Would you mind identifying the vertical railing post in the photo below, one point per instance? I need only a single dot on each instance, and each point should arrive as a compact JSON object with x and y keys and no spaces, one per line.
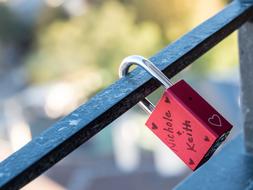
{"x":246,"y":73}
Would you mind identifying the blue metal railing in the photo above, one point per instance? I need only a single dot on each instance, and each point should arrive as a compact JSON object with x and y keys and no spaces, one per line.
{"x":63,"y":137}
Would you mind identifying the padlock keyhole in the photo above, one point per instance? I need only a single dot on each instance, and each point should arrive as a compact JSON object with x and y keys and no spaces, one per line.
{"x":190,"y":98}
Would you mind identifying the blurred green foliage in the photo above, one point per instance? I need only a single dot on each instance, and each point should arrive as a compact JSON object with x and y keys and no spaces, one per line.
{"x":97,"y":41}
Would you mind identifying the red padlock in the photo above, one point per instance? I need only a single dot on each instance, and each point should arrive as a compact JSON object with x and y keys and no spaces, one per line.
{"x":182,"y":119}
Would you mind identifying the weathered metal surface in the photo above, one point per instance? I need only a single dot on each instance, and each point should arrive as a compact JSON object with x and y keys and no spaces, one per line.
{"x":76,"y":128}
{"x":246,"y":69}
{"x":231,"y":169}
{"x":246,"y":1}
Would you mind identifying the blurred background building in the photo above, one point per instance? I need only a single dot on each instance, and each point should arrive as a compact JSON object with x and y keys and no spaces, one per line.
{"x":56,"y":54}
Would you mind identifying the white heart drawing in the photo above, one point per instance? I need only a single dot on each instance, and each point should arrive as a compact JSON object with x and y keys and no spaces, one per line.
{"x":215,"y":120}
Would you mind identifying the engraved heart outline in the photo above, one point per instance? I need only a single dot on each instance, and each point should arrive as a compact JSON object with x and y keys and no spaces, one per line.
{"x":215,"y":120}
{"x":167,"y":99}
{"x":206,"y":138}
{"x":191,"y":162}
{"x":154,"y":126}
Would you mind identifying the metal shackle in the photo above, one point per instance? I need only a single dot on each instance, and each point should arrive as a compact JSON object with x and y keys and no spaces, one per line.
{"x":138,"y":60}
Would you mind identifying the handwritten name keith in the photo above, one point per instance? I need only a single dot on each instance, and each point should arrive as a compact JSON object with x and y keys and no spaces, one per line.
{"x":190,"y":145}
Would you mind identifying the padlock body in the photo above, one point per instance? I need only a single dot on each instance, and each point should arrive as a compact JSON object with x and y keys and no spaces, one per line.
{"x":188,"y":125}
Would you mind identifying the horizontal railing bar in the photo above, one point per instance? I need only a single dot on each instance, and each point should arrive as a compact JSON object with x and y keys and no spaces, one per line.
{"x":70,"y":132}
